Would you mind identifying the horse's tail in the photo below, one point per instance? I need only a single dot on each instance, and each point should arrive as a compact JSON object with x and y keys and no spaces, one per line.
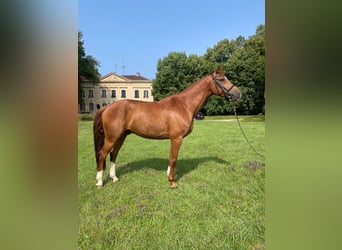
{"x":99,"y":135}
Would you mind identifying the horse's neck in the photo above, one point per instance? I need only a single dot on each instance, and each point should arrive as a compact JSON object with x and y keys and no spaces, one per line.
{"x":196,"y":95}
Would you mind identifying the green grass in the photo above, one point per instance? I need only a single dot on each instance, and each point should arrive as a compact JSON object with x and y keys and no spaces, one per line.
{"x":219,"y":202}
{"x":245,"y":118}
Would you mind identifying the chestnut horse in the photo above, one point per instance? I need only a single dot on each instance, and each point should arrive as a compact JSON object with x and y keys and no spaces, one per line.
{"x":170,"y":118}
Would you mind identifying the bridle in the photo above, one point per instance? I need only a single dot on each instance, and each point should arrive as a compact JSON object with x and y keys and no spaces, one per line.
{"x":218,"y":83}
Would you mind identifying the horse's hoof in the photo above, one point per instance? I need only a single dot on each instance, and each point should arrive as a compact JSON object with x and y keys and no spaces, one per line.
{"x":173,"y":184}
{"x":115,"y":179}
{"x":99,"y":186}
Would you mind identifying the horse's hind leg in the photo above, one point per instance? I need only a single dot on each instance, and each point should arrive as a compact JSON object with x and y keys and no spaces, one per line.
{"x":102,"y":157}
{"x":113,"y":155}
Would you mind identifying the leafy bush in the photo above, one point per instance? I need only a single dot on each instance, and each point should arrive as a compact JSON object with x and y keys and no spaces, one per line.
{"x":86,"y":117}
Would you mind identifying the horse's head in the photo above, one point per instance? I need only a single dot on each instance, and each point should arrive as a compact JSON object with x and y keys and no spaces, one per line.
{"x":223,"y":86}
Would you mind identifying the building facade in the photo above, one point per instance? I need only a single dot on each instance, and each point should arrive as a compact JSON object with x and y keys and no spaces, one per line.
{"x":113,"y":87}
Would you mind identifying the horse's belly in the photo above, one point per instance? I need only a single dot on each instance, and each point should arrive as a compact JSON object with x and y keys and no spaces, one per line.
{"x":160,"y":129}
{"x":151,"y":121}
{"x":150,"y":129}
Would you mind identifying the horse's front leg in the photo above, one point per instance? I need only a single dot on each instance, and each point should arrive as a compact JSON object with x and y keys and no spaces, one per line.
{"x":175,"y":145}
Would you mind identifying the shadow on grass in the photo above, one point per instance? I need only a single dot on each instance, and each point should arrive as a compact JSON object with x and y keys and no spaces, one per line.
{"x":183,"y":167}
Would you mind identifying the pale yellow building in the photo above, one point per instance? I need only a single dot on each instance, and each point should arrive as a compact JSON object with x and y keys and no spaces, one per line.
{"x":113,"y":87}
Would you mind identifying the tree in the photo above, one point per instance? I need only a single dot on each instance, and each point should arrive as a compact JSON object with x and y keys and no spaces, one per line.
{"x":87,"y":67}
{"x":219,"y":55}
{"x":246,"y":68}
{"x":243,"y":61}
{"x":176,"y":72}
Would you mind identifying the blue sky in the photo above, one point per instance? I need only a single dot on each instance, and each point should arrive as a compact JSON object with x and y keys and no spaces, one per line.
{"x":137,"y":33}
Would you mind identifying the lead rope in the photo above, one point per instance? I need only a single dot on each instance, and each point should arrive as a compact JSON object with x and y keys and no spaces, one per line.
{"x":243,"y":133}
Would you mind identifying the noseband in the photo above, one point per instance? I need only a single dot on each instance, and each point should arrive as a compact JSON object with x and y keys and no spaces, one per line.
{"x":218,"y":83}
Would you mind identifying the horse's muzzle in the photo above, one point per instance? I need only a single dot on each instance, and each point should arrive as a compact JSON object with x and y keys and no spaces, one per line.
{"x":235,"y":94}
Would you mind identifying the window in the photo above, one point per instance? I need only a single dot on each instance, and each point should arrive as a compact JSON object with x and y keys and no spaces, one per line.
{"x":123,"y":93}
{"x":91,"y":107}
{"x":136,"y":93}
{"x":113,"y":94}
{"x":104,"y":93}
{"x":145,"y":93}
{"x":82,"y":107}
{"x":104,"y":104}
{"x":83,"y":93}
{"x":91,"y":93}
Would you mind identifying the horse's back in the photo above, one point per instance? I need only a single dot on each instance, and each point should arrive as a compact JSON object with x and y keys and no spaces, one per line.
{"x":123,"y":113}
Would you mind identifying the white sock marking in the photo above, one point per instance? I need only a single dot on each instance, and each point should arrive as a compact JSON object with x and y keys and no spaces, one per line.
{"x":99,"y":178}
{"x":112,"y":172}
{"x":168,"y":171}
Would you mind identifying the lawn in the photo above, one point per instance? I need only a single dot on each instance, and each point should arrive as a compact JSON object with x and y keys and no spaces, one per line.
{"x":219,"y":202}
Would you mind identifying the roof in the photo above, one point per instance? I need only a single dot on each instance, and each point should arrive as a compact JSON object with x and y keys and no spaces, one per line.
{"x":135,"y":77}
{"x":113,"y":77}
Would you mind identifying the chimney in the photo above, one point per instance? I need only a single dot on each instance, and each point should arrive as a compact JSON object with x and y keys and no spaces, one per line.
{"x":137,"y":74}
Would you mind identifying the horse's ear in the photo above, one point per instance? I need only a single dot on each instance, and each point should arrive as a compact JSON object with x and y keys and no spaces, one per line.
{"x":218,"y":70}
